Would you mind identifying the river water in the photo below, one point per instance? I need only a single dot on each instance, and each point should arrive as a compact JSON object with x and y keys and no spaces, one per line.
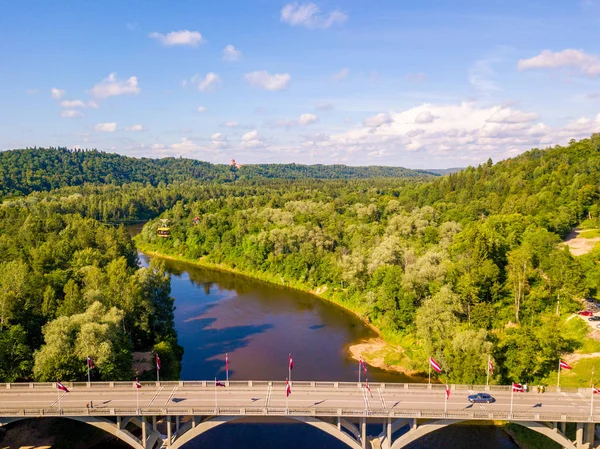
{"x":258,"y":324}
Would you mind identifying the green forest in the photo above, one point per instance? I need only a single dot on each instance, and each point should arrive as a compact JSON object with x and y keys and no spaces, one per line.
{"x":459,"y":267}
{"x":41,"y":169}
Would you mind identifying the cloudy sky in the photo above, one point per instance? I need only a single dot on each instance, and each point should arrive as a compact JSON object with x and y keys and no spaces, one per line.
{"x":420,"y":84}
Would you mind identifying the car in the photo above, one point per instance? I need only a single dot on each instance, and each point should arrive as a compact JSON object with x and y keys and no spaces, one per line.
{"x":594,"y":318}
{"x":597,"y":326}
{"x":586,"y":313}
{"x":481,"y":397}
{"x":590,"y":299}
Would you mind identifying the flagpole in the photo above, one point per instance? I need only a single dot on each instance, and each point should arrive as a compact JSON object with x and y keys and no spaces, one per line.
{"x":445,"y":401}
{"x":592,"y":402}
{"x":286,"y":396}
{"x":289,"y":369}
{"x":429,"y":370}
{"x":226,"y":367}
{"x":512,"y":395}
{"x":58,"y":396}
{"x":487,"y":381}
{"x":216,"y":404}
{"x":558,"y":379}
{"x":137,"y":398}
{"x":359,"y":368}
{"x":157,"y":373}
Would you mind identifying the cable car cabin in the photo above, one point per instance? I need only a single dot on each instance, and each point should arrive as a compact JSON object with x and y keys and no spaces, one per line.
{"x":163,"y":232}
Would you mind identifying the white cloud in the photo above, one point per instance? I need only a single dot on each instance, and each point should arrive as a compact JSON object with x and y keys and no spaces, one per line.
{"x":32,"y":91}
{"x":480,"y":76}
{"x":340,"y":75}
{"x":219,"y":141}
{"x":70,"y":113}
{"x":230,"y":53}
{"x":201,"y":109}
{"x":57,"y":93}
{"x":183,"y":37}
{"x":307,"y":15}
{"x":231,"y":124}
{"x":424,"y":117}
{"x":323,"y":106}
{"x":415,"y":77}
{"x":593,"y":95}
{"x":108,"y":127}
{"x":111,"y":86}
{"x":577,"y":59}
{"x":252,"y":140}
{"x":209,"y":83}
{"x":135,"y":128}
{"x":307,"y":119}
{"x":264,"y":80}
{"x":78,"y":104}
{"x":463,"y":134}
{"x":378,"y":120}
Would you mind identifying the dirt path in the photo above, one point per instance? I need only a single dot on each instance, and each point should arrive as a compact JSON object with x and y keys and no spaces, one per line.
{"x":580,"y":245}
{"x":572,"y":358}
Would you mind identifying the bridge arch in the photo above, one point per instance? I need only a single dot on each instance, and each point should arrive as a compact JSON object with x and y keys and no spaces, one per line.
{"x":216,"y":421}
{"x":431,"y":426}
{"x":96,"y":421}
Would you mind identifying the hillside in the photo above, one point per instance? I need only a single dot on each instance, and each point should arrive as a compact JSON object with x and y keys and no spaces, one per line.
{"x":459,"y":268}
{"x":41,"y":169}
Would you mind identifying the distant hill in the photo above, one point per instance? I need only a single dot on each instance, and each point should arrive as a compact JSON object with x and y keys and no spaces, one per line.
{"x":38,"y":169}
{"x":444,"y":171}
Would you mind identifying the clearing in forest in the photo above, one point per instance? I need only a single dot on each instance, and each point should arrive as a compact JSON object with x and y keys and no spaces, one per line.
{"x":582,"y":241}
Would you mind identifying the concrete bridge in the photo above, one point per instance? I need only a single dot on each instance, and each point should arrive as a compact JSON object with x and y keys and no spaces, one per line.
{"x":170,"y":414}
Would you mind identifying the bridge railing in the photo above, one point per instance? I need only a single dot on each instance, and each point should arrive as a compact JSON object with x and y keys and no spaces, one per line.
{"x":253,"y":384}
{"x":301,"y":411}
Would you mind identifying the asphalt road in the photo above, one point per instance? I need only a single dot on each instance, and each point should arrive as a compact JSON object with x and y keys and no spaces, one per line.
{"x":397,"y":399}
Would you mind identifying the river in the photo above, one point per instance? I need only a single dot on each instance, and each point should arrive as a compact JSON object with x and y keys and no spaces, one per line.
{"x":258,"y":324}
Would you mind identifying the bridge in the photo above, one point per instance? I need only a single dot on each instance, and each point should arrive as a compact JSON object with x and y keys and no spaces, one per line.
{"x":170,"y":414}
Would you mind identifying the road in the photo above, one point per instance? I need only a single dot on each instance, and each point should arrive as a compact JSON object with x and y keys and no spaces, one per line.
{"x":382,"y":398}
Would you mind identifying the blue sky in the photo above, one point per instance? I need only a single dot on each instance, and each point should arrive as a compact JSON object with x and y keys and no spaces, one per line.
{"x":421,"y":84}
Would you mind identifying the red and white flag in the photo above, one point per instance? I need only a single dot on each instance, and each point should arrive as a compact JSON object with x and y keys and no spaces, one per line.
{"x":137,"y":383}
{"x":157,"y":362}
{"x":595,"y":390}
{"x":291,"y":362}
{"x":518,"y":388}
{"x":368,"y":388}
{"x":447,"y":392}
{"x":288,"y":389}
{"x":435,"y":365}
{"x":490,"y":366}
{"x":62,"y":387}
{"x":362,"y":364}
{"x":90,"y":363}
{"x":565,"y":365}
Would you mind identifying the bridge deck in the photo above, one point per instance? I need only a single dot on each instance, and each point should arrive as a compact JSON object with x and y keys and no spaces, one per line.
{"x":307,"y":399}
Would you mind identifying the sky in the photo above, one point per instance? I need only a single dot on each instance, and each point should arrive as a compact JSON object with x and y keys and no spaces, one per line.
{"x":419,"y":84}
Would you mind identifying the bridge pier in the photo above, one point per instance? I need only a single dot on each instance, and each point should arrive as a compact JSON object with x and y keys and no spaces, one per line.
{"x":169,"y":431}
{"x":144,"y":431}
{"x":363,"y":432}
{"x":579,"y":435}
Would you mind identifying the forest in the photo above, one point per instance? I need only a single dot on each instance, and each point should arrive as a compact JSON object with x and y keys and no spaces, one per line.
{"x":463,"y":267}
{"x":40,"y":169}
{"x":459,"y":267}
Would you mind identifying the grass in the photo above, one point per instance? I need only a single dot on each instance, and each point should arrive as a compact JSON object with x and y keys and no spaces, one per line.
{"x":589,"y":233}
{"x":529,"y":438}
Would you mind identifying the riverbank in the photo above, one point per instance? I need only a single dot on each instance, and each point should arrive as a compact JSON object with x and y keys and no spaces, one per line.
{"x":377,"y":352}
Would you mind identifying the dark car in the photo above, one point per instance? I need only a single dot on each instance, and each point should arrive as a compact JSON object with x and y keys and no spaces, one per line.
{"x":594,"y":318}
{"x":481,"y":397}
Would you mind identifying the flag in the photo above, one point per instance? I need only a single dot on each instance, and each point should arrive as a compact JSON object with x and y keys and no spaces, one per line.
{"x":435,"y":365}
{"x":137,"y":383}
{"x":288,"y":389}
{"x":219,"y":384}
{"x":157,"y":362}
{"x":90,"y":363}
{"x":595,"y":390}
{"x":62,"y":387}
{"x":226,"y":362}
{"x":291,"y":362}
{"x":362,"y":364}
{"x":368,"y":388}
{"x":565,"y":365}
{"x":447,"y":392}
{"x":490,"y":366}
{"x":518,"y":388}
